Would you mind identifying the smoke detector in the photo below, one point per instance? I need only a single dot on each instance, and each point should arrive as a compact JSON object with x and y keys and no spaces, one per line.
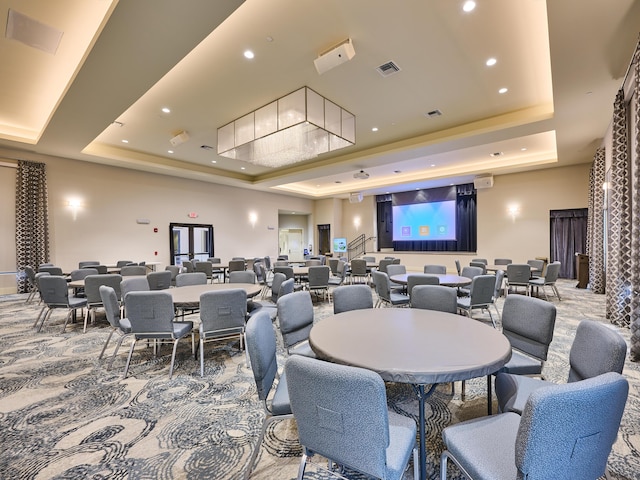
{"x":361,"y":175}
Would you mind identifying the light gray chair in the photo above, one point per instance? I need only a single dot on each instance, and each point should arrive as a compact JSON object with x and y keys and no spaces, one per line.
{"x":92,"y":284}
{"x":159,"y":280}
{"x":222,"y":316}
{"x":87,"y":263}
{"x":565,"y":432}
{"x":458,"y":267}
{"x":129,"y":270}
{"x":194,"y":278}
{"x":32,"y":287}
{"x":502,"y":261}
{"x":295,"y":319}
{"x":120,"y":326}
{"x":384,"y":263}
{"x":480,"y":265}
{"x":51,"y":270}
{"x":439,"y":269}
{"x":318,"y":282}
{"x":528,"y":324}
{"x":55,"y":294}
{"x":518,"y":275}
{"x":122,"y":263}
{"x":435,"y":297}
{"x":261,"y":345}
{"x":338,"y":278}
{"x":359,"y":270}
{"x":385,"y":295}
{"x":396,"y":269}
{"x":136,"y":284}
{"x":151,"y":315}
{"x":420,"y":279}
{"x":480,"y":260}
{"x":341,"y":413}
{"x":480,"y":296}
{"x":244,"y":276}
{"x":206,"y":268}
{"x":497,"y":292}
{"x":333,"y":265}
{"x":470,"y":272}
{"x":596,"y":349}
{"x":81,"y":274}
{"x":175,"y":270}
{"x":352,"y":297}
{"x":549,"y":280}
{"x":537,"y":267}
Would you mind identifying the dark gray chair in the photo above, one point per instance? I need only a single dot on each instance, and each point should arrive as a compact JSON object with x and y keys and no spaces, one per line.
{"x":129,"y":270}
{"x":549,"y":280}
{"x":435,"y":297}
{"x":352,"y":297}
{"x":537,"y":267}
{"x":318,"y":282}
{"x":480,"y":265}
{"x":87,"y":263}
{"x":32,"y":287}
{"x":341,"y":413}
{"x":385,"y":295}
{"x":359,"y":270}
{"x":596,"y":349}
{"x":244,"y":276}
{"x":122,"y":263}
{"x":206,"y":268}
{"x":55,"y":294}
{"x":480,"y":296}
{"x":151,"y":315}
{"x":470,"y":272}
{"x":566,"y":432}
{"x":81,"y":274}
{"x":420,"y":279}
{"x":92,"y":284}
{"x":480,"y":260}
{"x":261,"y":345}
{"x":222,"y":316}
{"x":175,"y":270}
{"x":120,"y":326}
{"x":194,"y":278}
{"x":518,"y":275}
{"x":438,"y":269}
{"x":51,"y":270}
{"x":159,"y":280}
{"x":502,"y":261}
{"x":295,"y":319}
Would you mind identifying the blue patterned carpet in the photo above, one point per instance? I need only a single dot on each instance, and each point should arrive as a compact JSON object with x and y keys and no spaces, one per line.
{"x":64,"y":415}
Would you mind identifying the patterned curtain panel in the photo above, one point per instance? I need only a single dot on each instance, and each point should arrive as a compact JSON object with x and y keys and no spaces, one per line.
{"x":595,"y":226}
{"x":619,"y":247}
{"x":635,"y":235}
{"x":32,"y":218}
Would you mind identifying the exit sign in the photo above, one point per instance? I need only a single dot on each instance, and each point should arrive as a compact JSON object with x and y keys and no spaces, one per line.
{"x":193,"y":215}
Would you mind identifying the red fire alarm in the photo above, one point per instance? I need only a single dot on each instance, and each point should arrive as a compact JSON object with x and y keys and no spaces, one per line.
{"x":155,"y":229}
{"x":193,"y":215}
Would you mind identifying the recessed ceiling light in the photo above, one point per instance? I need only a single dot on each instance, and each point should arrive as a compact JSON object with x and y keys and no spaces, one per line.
{"x":523,"y":149}
{"x":374,"y":129}
{"x":491,"y":62}
{"x":248,"y":54}
{"x":214,"y":161}
{"x":469,"y":6}
{"x":242,"y":168}
{"x":166,"y":110}
{"x":169,"y":151}
{"x":125,"y":141}
{"x":503,"y":90}
{"x":433,"y":164}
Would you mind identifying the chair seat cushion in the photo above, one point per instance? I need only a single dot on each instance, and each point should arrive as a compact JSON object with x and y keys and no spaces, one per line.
{"x":464,"y":302}
{"x":280,"y":404}
{"x":76,"y":302}
{"x":521,"y":364}
{"x":125,"y":325}
{"x":514,"y":390}
{"x":303,"y":349}
{"x":180,"y":329}
{"x":402,"y":440}
{"x":398,"y":298}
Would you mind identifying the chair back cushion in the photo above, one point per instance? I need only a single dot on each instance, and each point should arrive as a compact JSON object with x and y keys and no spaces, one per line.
{"x":92,"y":285}
{"x":222,"y":310}
{"x":482,"y":289}
{"x":111,"y":305}
{"x":150,"y":312}
{"x":420,"y":279}
{"x":261,"y":345}
{"x":194,"y":278}
{"x":319,"y":276}
{"x":518,"y":274}
{"x":352,"y":297}
{"x":159,"y":280}
{"x":244,"y":276}
{"x":596,"y":349}
{"x":295,"y":313}
{"x":441,"y":269}
{"x":435,"y":297}
{"x":394,"y":269}
{"x":54,"y":290}
{"x":528,"y":323}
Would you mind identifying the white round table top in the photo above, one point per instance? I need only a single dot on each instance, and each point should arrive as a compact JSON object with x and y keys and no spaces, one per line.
{"x":411,"y":345}
{"x":446,"y":279}
{"x":190,"y":294}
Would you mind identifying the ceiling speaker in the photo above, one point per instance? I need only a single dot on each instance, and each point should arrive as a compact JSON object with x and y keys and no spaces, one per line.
{"x":485,"y":181}
{"x":355,"y":197}
{"x":337,"y":55}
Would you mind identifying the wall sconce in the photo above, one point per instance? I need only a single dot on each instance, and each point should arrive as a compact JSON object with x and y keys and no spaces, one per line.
{"x":356,"y":222}
{"x":253,"y":219}
{"x":74,"y":204}
{"x":514,"y":211}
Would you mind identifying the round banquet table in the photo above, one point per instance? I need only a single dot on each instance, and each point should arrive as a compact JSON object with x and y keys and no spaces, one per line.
{"x":446,"y":279}
{"x":189,"y":295}
{"x":412,"y":346}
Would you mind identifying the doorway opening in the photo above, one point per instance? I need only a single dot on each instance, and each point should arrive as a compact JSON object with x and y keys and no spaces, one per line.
{"x":324,"y":239}
{"x":188,"y":241}
{"x":290,"y":243}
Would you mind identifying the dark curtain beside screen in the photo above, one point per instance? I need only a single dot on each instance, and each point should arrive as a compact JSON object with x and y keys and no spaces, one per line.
{"x":466,"y":220}
{"x":568,"y":230}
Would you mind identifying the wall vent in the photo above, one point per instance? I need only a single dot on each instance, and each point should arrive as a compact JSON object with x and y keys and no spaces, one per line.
{"x":388,"y":69}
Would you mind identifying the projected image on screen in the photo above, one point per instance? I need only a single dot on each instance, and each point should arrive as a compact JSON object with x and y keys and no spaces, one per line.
{"x":424,"y":221}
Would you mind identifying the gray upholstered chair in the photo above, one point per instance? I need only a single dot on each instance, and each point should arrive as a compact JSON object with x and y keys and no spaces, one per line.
{"x":278,"y":278}
{"x":502,"y":261}
{"x":175,"y":270}
{"x":237,"y":265}
{"x":383,"y":290}
{"x":396,"y":269}
{"x":222,"y":316}
{"x":261,"y":345}
{"x":119,"y":325}
{"x":51,"y":270}
{"x":194,"y":278}
{"x":480,"y":265}
{"x":318,"y":282}
{"x":438,"y":269}
{"x":32,"y":287}
{"x":480,"y":296}
{"x":420,"y":279}
{"x":341,"y":271}
{"x":295,"y":318}
{"x":87,"y":263}
{"x":497,"y":292}
{"x":596,"y":349}
{"x":129,"y":270}
{"x":435,"y":297}
{"x":537,"y":267}
{"x":565,"y":432}
{"x":333,"y":265}
{"x":359,"y":270}
{"x":81,"y":274}
{"x":384,"y":263}
{"x":159,"y":280}
{"x":458,"y":267}
{"x":206,"y":268}
{"x":151,"y":315}
{"x":122,"y":263}
{"x":244,"y":276}
{"x":135,"y":284}
{"x":341,"y":413}
{"x":528,"y":324}
{"x":470,"y":272}
{"x":480,"y":260}
{"x":92,"y":284}
{"x":518,"y":275}
{"x":352,"y":297}
{"x":549,"y":280}
{"x":55,"y":294}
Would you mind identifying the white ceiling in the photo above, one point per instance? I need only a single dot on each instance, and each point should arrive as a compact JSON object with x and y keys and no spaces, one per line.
{"x":562,"y":63}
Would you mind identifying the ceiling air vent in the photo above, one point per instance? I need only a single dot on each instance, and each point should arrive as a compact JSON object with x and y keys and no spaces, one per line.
{"x":388,"y":69}
{"x":433,"y":113}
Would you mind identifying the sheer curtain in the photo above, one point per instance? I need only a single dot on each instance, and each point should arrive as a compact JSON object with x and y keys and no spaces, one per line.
{"x":32,"y":218}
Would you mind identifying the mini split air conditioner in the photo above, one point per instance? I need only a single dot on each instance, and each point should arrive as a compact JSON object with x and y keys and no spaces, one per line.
{"x":484,"y":181}
{"x":355,"y":197}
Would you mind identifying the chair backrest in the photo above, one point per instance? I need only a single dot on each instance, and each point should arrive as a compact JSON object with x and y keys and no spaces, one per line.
{"x":92,"y":284}
{"x":498,"y":284}
{"x":458,"y":267}
{"x":394,"y":269}
{"x":313,"y":262}
{"x":276,"y":283}
{"x":128,"y":270}
{"x":237,"y":265}
{"x":435,"y":297}
{"x":214,"y":259}
{"x":122,"y":263}
{"x":286,"y":270}
{"x":578,"y":446}
{"x":381,"y":281}
{"x":384,"y":263}
{"x":286,"y":287}
{"x":204,"y":267}
{"x":259,"y":268}
{"x":54,"y":290}
{"x":482,"y":289}
{"x":471,"y":272}
{"x":358,"y":266}
{"x":244,"y":276}
{"x":52,"y":270}
{"x":295,"y":314}
{"x":135,"y":284}
{"x":87,"y":263}
{"x":537,"y":264}
{"x":194,"y":278}
{"x":528,"y":324}
{"x":518,"y":273}
{"x":319,"y":276}
{"x":502,"y":261}
{"x":281,"y":263}
{"x":420,"y":279}
{"x":159,"y":280}
{"x":441,"y":269}
{"x":37,"y":278}
{"x":369,"y":259}
{"x":551,"y":275}
{"x":223,"y":309}
{"x":341,"y":413}
{"x":30,"y":273}
{"x":352,"y":297}
{"x":150,"y":312}
{"x":480,"y":260}
{"x":283,"y":257}
{"x":175,"y":270}
{"x":102,"y":269}
{"x":261,"y":345}
{"x":480,"y":265}
{"x":333,"y":265}
{"x":109,"y":300}
{"x":82,"y":273}
{"x":596,"y":349}
{"x":188,"y":266}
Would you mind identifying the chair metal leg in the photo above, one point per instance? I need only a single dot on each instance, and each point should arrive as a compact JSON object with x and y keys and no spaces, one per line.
{"x":106,"y":343}
{"x":173,"y":357}
{"x":115,"y":351}
{"x":126,"y":367}
{"x":256,"y":450}
{"x":39,"y":316}
{"x":45,"y":318}
{"x":201,"y":357}
{"x":303,"y":465}
{"x":489,"y":396}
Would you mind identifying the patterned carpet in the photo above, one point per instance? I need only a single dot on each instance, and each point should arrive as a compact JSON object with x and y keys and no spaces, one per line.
{"x":64,"y":415}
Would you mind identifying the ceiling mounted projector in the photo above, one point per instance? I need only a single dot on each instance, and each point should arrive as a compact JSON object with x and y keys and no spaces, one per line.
{"x":361,"y":175}
{"x":341,"y":53}
{"x":179,"y":138}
